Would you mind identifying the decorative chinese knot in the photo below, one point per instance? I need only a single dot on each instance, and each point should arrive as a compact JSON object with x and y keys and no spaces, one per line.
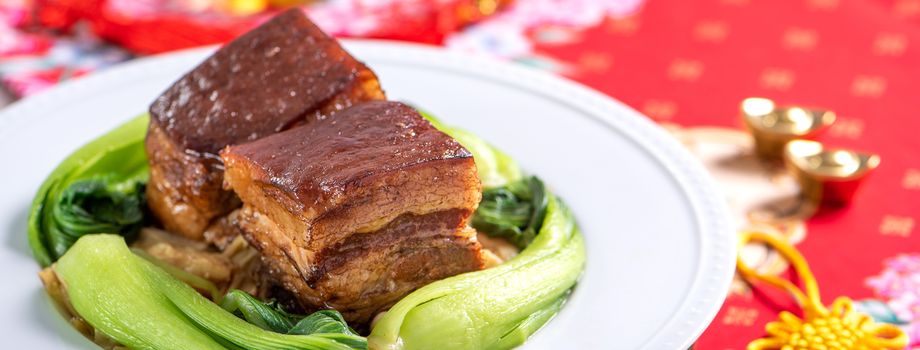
{"x":820,"y":328}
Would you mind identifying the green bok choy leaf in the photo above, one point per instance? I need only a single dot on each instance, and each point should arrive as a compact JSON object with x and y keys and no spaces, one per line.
{"x":267,"y":315}
{"x":270,"y":316}
{"x":97,"y":189}
{"x":513,"y":212}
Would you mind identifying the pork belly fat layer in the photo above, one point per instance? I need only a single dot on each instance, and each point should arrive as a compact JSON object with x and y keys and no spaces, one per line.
{"x":353,"y":173}
{"x":368,"y":273}
{"x":283,"y":73}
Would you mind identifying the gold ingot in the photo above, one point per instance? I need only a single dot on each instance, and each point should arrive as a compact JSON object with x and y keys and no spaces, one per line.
{"x":773,"y":126}
{"x":828,"y":176}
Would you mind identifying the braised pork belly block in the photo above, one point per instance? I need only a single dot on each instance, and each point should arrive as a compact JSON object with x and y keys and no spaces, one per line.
{"x":283,"y":73}
{"x":356,"y":211}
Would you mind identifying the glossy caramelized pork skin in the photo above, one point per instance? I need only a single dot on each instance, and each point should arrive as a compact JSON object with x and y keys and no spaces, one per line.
{"x":284,"y":73}
{"x":355,"y":211}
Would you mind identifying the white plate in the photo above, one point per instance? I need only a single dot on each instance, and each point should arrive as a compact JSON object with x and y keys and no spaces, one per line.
{"x":660,"y":252}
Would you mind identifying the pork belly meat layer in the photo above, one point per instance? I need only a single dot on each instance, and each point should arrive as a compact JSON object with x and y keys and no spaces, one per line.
{"x":283,"y":73}
{"x":343,"y":182}
{"x":367,"y":273}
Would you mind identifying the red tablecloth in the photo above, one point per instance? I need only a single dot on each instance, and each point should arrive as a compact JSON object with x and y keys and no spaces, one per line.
{"x":687,"y":64}
{"x":691,"y":62}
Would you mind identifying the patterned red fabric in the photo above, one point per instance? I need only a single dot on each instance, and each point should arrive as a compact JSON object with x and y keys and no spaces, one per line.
{"x":691,"y":62}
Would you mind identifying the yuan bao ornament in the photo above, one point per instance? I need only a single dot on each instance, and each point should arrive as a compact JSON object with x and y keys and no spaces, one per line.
{"x":839,"y":327}
{"x":828,"y":176}
{"x":773,"y":126}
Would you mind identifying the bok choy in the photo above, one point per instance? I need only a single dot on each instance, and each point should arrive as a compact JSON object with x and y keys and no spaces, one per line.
{"x":141,"y":306}
{"x":513,"y":212}
{"x":97,"y":189}
{"x":270,"y":316}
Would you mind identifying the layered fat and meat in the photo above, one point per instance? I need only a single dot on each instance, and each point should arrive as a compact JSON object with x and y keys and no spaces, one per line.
{"x":285,"y":73}
{"x":352,"y":204}
{"x":356,"y":211}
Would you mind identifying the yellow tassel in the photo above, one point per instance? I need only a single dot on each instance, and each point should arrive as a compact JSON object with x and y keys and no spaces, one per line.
{"x":246,"y":7}
{"x":820,"y":328}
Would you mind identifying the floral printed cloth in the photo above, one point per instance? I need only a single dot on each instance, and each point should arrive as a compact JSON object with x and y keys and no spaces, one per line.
{"x":100,"y":33}
{"x":898,"y":288}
